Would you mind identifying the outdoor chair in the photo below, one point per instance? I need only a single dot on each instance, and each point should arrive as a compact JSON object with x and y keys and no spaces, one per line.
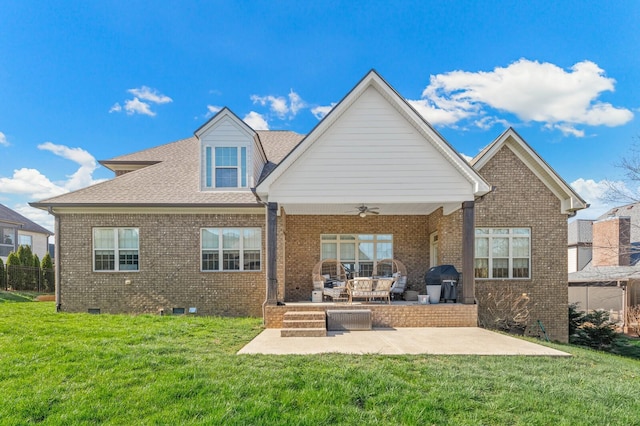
{"x":399,"y":286}
{"x":363,"y":288}
{"x":382,"y":289}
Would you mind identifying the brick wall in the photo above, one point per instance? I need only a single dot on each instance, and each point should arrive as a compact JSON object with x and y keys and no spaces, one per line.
{"x":169,"y":274}
{"x":612,"y":241}
{"x":410,"y":246}
{"x":384,"y":316}
{"x":522,"y":200}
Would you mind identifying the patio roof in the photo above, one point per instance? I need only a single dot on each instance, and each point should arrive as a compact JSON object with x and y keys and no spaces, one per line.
{"x":372,"y":149}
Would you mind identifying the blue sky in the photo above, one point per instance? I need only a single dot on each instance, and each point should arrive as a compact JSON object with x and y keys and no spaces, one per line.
{"x":86,"y":81}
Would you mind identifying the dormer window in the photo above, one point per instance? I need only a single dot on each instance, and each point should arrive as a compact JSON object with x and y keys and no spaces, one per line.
{"x":226,"y":167}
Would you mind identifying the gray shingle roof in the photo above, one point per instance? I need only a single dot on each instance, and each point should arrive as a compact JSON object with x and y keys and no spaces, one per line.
{"x":9,"y":215}
{"x":174,"y":180}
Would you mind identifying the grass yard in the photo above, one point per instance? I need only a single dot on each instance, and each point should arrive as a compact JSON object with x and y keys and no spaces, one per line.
{"x":117,"y":369}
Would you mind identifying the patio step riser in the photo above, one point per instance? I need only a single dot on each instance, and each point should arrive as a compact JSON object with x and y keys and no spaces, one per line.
{"x":304,"y":324}
{"x":303,"y":332}
{"x":304,"y":315}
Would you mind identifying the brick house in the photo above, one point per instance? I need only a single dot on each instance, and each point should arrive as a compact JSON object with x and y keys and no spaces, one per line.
{"x":231,"y":221}
{"x":17,"y":230}
{"x":604,"y":263}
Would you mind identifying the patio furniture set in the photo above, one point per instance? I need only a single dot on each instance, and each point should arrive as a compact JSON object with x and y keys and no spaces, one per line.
{"x":329,"y":276}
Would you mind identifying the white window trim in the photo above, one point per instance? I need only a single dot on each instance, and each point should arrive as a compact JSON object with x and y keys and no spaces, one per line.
{"x":210,"y":168}
{"x":116,"y":250}
{"x":510,"y":236}
{"x":221,"y":250}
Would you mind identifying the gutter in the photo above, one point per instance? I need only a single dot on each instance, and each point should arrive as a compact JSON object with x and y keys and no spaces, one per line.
{"x":56,"y":258}
{"x":266,"y":225}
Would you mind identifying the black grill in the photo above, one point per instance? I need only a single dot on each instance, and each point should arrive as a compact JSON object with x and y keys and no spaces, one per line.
{"x":437,"y":275}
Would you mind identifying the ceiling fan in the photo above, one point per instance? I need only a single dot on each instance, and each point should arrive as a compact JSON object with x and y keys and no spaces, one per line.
{"x":363,"y":210}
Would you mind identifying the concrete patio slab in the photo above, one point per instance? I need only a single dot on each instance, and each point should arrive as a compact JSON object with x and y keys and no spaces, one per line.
{"x":399,"y":341}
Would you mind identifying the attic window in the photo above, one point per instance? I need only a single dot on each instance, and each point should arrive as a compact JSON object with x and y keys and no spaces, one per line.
{"x":228,"y":169}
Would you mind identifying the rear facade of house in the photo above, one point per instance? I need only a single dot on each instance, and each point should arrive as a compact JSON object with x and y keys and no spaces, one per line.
{"x":232,"y":220}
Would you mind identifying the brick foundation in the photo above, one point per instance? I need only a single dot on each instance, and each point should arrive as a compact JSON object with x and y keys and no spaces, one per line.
{"x":384,"y":316}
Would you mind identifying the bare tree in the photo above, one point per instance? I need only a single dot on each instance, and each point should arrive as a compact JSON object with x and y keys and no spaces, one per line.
{"x":626,"y":190}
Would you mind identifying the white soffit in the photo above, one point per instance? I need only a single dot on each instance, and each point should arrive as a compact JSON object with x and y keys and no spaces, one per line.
{"x":352,"y":209}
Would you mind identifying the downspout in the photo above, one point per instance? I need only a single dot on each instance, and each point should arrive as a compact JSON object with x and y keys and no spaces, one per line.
{"x":271,"y":254}
{"x":56,"y":258}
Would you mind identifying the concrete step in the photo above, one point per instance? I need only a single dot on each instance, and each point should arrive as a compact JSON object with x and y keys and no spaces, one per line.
{"x":303,"y":332}
{"x":287,"y":323}
{"x":304,"y":315}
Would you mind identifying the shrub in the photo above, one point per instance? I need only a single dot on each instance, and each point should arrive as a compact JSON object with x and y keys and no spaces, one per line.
{"x":3,"y":276}
{"x":46,"y":262}
{"x":633,"y":319}
{"x":25,"y":255}
{"x":504,"y":310}
{"x":595,"y":330}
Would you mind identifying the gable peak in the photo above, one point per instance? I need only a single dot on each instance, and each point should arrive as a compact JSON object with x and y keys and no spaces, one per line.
{"x":225,"y":112}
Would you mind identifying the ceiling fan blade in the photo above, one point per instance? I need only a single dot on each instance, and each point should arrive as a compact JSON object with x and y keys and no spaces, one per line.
{"x":372,"y":212}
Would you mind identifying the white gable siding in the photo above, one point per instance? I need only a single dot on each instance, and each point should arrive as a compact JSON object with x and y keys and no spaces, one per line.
{"x":258,"y":164}
{"x":227,"y":133}
{"x":371,"y":153}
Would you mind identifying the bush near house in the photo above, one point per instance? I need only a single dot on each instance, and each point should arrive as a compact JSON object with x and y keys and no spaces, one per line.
{"x":595,"y":330}
{"x":633,"y":319}
{"x":505,"y":310}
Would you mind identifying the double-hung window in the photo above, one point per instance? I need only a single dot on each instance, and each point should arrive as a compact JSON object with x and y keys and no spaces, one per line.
{"x":115,"y":249}
{"x":503,"y":253}
{"x":231,"y":249}
{"x":226,"y":167}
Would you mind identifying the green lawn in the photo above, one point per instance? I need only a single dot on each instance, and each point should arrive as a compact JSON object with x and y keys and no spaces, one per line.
{"x":118,"y":369}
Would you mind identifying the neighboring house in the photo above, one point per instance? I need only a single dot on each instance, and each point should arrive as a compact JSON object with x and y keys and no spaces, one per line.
{"x":610,"y":280}
{"x":231,"y":221}
{"x":580,"y":244}
{"x":17,"y":230}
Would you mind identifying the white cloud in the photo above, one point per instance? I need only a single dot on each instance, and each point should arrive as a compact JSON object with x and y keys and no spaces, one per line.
{"x":256,"y":121}
{"x":567,"y":129}
{"x":41,"y":217}
{"x":466,"y":157}
{"x":277,"y":104}
{"x":84,"y":175}
{"x":532,"y":91}
{"x":295,"y":102}
{"x":32,"y":182}
{"x":151,"y":95}
{"x":595,"y":194}
{"x":485,"y":123}
{"x":138,"y":106}
{"x":320,"y":111}
{"x":212,"y":110}
{"x":283,"y":108}
{"x":3,"y":140}
{"x":438,"y":116}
